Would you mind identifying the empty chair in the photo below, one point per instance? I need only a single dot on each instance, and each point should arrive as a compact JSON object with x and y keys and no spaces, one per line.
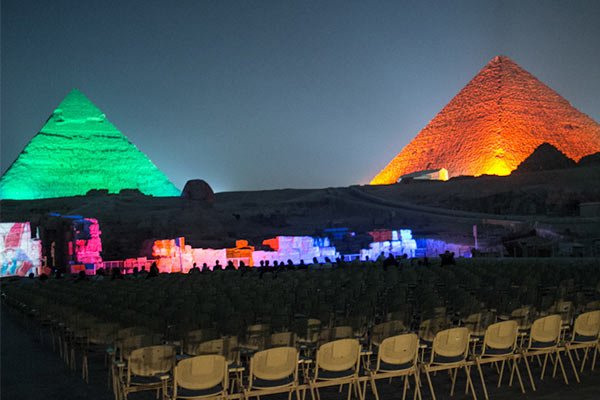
{"x":215,"y":346}
{"x":273,"y":371}
{"x":500,"y":346}
{"x":430,"y":327}
{"x":100,"y":336}
{"x":449,"y":352}
{"x":200,"y":377}
{"x":148,"y":368}
{"x":256,"y":337}
{"x":585,"y":337}
{"x":196,"y":336}
{"x":397,"y":356}
{"x":282,"y":339}
{"x":544,"y":340}
{"x":337,"y":363}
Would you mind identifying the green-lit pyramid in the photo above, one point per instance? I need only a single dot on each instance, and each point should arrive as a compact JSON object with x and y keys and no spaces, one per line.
{"x":78,"y":149}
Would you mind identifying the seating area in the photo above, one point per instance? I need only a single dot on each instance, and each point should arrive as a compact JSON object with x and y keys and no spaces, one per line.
{"x":348,"y":328}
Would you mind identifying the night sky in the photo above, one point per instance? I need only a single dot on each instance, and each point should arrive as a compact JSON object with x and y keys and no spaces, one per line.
{"x":277,"y":94}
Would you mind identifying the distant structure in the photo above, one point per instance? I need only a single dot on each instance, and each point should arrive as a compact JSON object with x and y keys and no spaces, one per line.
{"x":198,"y":189}
{"x":440,"y":174}
{"x":494,"y":123}
{"x":78,"y":150}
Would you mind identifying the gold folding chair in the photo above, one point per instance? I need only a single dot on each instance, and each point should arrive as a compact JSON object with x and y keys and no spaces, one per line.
{"x":397,"y":356}
{"x":282,"y":339}
{"x":449,"y":352}
{"x":500,"y":345}
{"x":148,"y":368}
{"x":544,"y":340}
{"x":201,"y":377}
{"x":585,"y":337}
{"x":273,"y":371}
{"x":337,"y":363}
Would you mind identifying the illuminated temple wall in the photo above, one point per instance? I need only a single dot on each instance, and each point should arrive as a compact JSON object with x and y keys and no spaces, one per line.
{"x":296,"y":248}
{"x":173,"y":255}
{"x":396,"y":242}
{"x":19,"y":253}
{"x":494,"y":123}
{"x":77,"y":150}
{"x":88,"y":244}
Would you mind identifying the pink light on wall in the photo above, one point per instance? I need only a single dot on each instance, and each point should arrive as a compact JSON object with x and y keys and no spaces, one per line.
{"x":88,"y":244}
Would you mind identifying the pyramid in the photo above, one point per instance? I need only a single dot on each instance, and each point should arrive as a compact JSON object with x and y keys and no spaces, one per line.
{"x":545,"y":158}
{"x":494,"y":123}
{"x":76,"y":150}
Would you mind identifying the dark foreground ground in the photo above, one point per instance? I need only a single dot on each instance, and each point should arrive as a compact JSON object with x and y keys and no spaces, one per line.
{"x":31,"y":370}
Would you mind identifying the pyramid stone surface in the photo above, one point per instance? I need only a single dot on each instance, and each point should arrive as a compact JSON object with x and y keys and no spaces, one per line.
{"x":494,"y":123}
{"x":78,"y":149}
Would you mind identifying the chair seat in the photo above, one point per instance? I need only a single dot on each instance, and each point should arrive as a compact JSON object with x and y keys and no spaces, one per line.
{"x":323,"y":374}
{"x":584,"y":339}
{"x":387,"y":367}
{"x":489,"y":351}
{"x":439,"y":359}
{"x":185,"y":392}
{"x":267,"y":384}
{"x":542,"y":345}
{"x":145,"y":380}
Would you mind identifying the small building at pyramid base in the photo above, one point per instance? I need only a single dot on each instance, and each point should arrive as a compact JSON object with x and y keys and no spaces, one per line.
{"x":78,"y":150}
{"x":440,"y":174}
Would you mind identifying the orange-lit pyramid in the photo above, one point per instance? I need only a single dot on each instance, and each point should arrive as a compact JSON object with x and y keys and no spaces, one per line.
{"x":494,"y":123}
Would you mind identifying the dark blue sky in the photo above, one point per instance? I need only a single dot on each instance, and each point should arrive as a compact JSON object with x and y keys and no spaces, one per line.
{"x":274,"y":94}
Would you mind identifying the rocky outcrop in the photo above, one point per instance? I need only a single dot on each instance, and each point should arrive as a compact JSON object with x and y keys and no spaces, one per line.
{"x":198,"y":189}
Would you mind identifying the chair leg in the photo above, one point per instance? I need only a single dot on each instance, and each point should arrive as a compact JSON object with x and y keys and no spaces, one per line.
{"x":417,"y":386}
{"x":501,"y":373}
{"x":515,"y":368}
{"x":470,"y":382}
{"x":585,"y":354}
{"x":373,"y":388}
{"x":595,"y":354}
{"x":544,"y":366}
{"x":485,"y":392}
{"x":562,"y":367}
{"x":453,"y":375}
{"x":430,"y":384}
{"x":529,"y":373}
{"x":404,"y":389}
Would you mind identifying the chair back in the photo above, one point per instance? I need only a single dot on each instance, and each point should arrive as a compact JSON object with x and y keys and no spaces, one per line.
{"x":104,"y":333}
{"x":339,"y":355}
{"x":342,"y":332}
{"x":501,"y":335}
{"x":199,"y":335}
{"x":313,"y":329}
{"x":215,"y":346}
{"x":546,"y":329}
{"x":522,"y":316}
{"x":127,"y":345}
{"x":430,"y":327}
{"x":587,"y":324}
{"x":201,"y":372}
{"x":256,"y":335}
{"x":283,"y":339}
{"x":152,"y":360}
{"x":401,"y":349}
{"x":274,"y":364}
{"x":452,"y":342}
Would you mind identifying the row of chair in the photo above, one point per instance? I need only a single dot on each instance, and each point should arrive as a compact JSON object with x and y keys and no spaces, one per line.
{"x":346,"y":362}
